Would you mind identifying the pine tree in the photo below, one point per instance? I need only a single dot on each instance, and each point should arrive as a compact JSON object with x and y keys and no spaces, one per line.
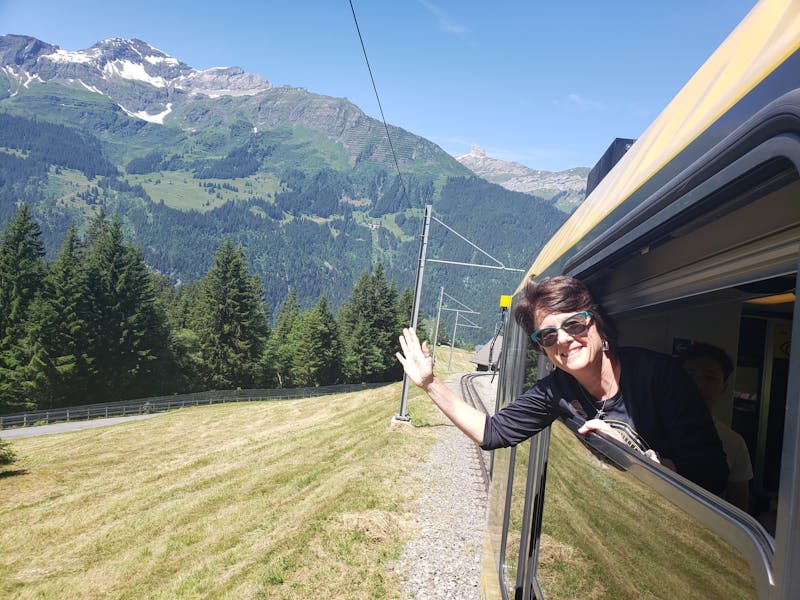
{"x":330,"y":344}
{"x":360,"y":355}
{"x":21,"y":268}
{"x":369,"y":326}
{"x":61,"y":369}
{"x":231,"y":322}
{"x":127,"y":333}
{"x":277,"y":359}
{"x":21,"y":279}
{"x":179,"y":305}
{"x":315,"y":347}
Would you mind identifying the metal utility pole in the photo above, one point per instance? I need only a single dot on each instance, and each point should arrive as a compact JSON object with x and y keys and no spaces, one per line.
{"x":423,"y":249}
{"x":453,"y":343}
{"x":436,"y":331}
{"x":469,"y":324}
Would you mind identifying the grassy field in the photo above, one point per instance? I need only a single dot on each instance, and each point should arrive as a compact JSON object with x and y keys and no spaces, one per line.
{"x":288,"y":499}
{"x":180,"y":190}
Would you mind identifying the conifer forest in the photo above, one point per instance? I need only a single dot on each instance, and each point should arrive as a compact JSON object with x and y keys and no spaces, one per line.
{"x":95,"y":324}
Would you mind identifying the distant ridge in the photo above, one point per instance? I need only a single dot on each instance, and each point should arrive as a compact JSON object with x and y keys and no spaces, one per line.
{"x":565,"y":189}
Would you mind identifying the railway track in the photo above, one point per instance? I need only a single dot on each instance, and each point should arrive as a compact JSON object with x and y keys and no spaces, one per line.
{"x":471,"y":394}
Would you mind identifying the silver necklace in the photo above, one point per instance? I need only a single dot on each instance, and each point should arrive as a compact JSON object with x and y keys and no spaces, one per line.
{"x":602,"y":411}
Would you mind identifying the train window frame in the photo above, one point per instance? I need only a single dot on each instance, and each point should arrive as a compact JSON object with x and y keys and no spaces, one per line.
{"x":777,"y":556}
{"x":770,"y":169}
{"x":734,"y":526}
{"x":787,"y":543}
{"x":514,"y":364}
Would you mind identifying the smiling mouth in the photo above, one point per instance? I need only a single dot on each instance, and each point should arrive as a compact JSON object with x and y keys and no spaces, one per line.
{"x":571,"y":352}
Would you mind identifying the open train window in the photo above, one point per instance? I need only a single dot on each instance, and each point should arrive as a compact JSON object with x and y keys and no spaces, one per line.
{"x":753,"y":323}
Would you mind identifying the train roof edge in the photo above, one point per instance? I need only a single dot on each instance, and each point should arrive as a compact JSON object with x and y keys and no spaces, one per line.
{"x":767,"y":38}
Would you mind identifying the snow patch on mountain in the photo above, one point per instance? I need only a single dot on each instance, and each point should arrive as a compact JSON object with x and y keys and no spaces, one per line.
{"x":23,"y":78}
{"x":133,"y":71}
{"x":145,"y":116}
{"x":155,"y":60}
{"x":91,"y":88}
{"x":69,"y":56}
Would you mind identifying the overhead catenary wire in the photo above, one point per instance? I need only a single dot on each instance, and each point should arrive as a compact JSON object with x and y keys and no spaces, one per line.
{"x":377,"y":97}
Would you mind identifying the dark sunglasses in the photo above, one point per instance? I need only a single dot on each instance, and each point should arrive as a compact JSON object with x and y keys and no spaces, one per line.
{"x":576,"y":324}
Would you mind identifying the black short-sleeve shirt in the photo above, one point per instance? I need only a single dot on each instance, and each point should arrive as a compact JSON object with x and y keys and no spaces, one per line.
{"x":656,"y":398}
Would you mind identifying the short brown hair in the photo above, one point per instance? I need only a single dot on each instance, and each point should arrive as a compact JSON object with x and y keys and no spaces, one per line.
{"x":697,"y":350}
{"x":562,"y":294}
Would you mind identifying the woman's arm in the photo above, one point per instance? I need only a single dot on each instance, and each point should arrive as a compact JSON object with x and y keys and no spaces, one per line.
{"x":418,"y":365}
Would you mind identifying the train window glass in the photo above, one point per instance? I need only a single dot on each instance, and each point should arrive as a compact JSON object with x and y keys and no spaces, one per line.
{"x":607,"y":535}
{"x":497,"y":501}
{"x":516,"y":518}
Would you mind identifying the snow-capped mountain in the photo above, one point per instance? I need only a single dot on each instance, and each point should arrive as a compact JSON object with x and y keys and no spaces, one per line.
{"x":133,"y":77}
{"x":152,"y":79}
{"x":565,"y":188}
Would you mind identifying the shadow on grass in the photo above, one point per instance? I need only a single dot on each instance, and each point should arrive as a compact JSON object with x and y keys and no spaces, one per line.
{"x":12,"y":472}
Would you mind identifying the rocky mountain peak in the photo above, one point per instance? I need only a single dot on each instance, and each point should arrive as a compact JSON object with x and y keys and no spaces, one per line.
{"x":477,"y":151}
{"x":20,"y":49}
{"x":127,"y":49}
{"x":112,"y":62}
{"x":566,"y":189}
{"x":484,"y":165}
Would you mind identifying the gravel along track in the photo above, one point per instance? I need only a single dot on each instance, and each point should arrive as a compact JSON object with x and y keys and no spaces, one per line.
{"x":443,"y":561}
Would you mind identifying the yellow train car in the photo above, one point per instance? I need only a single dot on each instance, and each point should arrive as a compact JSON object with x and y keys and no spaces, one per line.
{"x":693,"y":235}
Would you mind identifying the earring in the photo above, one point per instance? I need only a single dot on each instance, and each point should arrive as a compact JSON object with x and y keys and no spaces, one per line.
{"x":550,"y":366}
{"x":604,"y":346}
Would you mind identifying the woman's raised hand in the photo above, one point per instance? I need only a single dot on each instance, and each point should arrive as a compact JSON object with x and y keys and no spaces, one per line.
{"x":415,"y":358}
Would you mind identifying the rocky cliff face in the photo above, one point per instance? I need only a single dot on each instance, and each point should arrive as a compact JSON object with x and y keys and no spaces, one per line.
{"x":566,"y":189}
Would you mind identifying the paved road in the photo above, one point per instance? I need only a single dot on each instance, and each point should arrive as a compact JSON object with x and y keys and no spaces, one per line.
{"x":20,"y":432}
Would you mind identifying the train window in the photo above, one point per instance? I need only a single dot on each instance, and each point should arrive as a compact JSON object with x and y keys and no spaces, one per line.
{"x":605,"y":534}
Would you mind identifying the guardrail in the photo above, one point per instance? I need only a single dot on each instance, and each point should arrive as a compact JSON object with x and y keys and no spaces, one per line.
{"x":163,"y":403}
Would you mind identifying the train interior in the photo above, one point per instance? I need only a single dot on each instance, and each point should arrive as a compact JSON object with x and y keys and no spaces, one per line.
{"x":752,"y":323}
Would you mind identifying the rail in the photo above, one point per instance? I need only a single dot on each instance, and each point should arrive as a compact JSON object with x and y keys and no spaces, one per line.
{"x":164,"y":403}
{"x":471,"y":395}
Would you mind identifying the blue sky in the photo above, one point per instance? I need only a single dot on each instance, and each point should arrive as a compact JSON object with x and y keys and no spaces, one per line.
{"x":545,"y":83}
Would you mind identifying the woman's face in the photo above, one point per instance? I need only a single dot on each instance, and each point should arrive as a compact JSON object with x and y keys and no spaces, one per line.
{"x":572,"y":353}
